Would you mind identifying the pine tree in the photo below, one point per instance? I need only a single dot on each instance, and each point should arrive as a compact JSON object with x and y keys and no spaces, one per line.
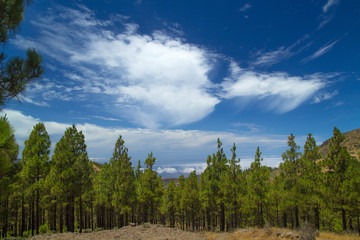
{"x":212,"y":196}
{"x":191,"y":200}
{"x":258,"y":187}
{"x":125,"y":195}
{"x":105,"y":189}
{"x":151,"y":190}
{"x":336,"y":166}
{"x":231,"y":185}
{"x":15,"y":73}
{"x":69,"y":152}
{"x":169,"y":204}
{"x":310,"y":180}
{"x":35,"y":167}
{"x":290,"y":173}
{"x":8,"y":155}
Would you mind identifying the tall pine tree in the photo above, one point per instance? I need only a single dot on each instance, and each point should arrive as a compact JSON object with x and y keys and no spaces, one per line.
{"x":35,"y":167}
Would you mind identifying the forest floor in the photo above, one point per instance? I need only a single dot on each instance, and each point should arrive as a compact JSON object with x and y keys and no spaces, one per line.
{"x":154,"y":231}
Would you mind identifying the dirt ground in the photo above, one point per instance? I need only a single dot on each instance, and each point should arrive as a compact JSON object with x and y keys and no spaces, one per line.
{"x":128,"y":233}
{"x":161,"y":232}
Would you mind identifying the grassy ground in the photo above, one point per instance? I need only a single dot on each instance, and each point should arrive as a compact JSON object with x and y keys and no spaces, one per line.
{"x":274,"y":233}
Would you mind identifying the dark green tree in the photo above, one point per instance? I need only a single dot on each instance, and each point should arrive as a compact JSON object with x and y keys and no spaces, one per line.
{"x":232,"y":188}
{"x":35,"y":167}
{"x":15,"y":73}
{"x":125,"y":195}
{"x":8,"y":155}
{"x":311,"y":180}
{"x":151,"y":191}
{"x":336,"y":166}
{"x":258,"y":187}
{"x":191,"y":200}
{"x":69,"y":151}
{"x":169,"y":204}
{"x":289,"y":173}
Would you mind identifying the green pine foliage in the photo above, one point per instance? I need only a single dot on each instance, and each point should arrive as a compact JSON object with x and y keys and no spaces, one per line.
{"x":34,"y":169}
{"x":258,"y":188}
{"x":15,"y":73}
{"x":8,"y":155}
{"x":67,"y":192}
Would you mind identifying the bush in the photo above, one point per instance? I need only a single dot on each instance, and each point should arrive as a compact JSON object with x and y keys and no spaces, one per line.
{"x":43,"y":229}
{"x":26,"y":234}
{"x":146,"y":225}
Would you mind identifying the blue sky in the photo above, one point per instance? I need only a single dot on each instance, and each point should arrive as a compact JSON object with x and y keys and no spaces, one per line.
{"x":173,"y":76}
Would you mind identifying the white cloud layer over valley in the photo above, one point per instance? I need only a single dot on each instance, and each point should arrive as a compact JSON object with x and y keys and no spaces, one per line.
{"x":192,"y":145}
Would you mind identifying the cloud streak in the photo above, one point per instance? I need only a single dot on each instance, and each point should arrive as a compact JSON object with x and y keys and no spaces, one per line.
{"x":329,"y":4}
{"x":321,"y":51}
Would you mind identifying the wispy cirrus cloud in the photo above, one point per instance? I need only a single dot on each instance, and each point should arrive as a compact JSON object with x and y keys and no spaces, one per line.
{"x":282,"y":53}
{"x":328,"y":14}
{"x":329,"y":4}
{"x":324,"y":96}
{"x":321,"y":51}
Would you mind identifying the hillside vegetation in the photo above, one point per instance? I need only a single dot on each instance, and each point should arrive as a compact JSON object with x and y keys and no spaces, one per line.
{"x":351,"y":142}
{"x":68,"y":193}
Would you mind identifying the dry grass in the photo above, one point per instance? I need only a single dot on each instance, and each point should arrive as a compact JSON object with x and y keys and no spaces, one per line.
{"x":273,"y":234}
{"x":335,"y":236}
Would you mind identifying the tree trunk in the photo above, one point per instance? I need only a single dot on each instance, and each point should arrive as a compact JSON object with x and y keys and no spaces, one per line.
{"x":61,"y":218}
{"x":127,"y":219}
{"x":222,"y":217}
{"x":284,"y":220}
{"x":23,"y":217}
{"x":343,"y":216}
{"x":297,"y":217}
{"x":54,"y":216}
{"x":235,"y":215}
{"x":317,"y":216}
{"x":261,"y":215}
{"x":16,"y":218}
{"x":32,"y":215}
{"x":358,"y":223}
{"x":121,"y":220}
{"x":81,"y":214}
{"x":208,"y":219}
{"x":37,"y":211}
{"x":92,"y":215}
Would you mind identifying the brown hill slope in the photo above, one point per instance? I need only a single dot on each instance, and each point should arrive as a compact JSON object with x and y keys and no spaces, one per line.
{"x":352,"y":142}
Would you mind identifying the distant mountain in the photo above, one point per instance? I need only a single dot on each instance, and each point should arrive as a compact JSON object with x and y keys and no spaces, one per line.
{"x":352,"y":142}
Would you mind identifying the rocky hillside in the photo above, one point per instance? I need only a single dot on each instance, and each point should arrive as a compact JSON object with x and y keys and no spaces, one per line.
{"x":352,"y":142}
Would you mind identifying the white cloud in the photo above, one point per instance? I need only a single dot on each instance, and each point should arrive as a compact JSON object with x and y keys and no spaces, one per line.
{"x":165,"y":78}
{"x":282,"y":92}
{"x":324,"y":96}
{"x":162,"y":170}
{"x":324,"y":49}
{"x":329,"y":4}
{"x":245,"y":7}
{"x":153,"y":80}
{"x":181,"y":146}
